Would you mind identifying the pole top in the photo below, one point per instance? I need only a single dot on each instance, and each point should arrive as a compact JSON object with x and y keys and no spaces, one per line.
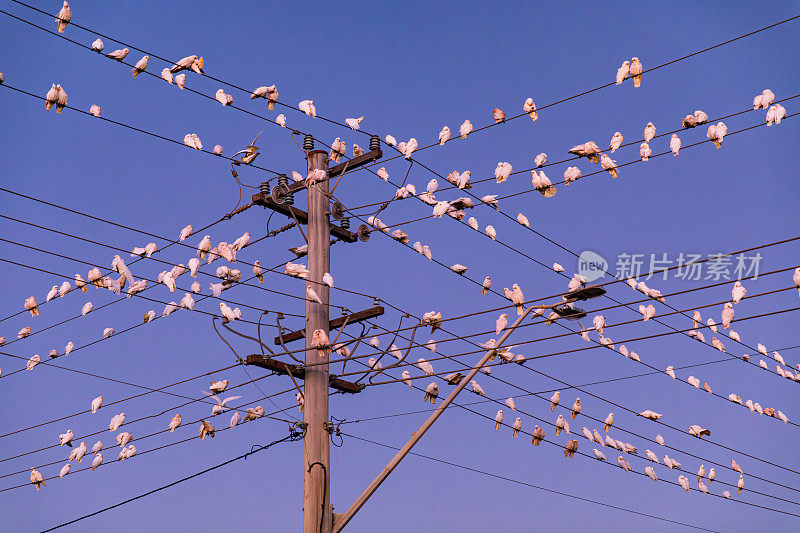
{"x":312,"y":152}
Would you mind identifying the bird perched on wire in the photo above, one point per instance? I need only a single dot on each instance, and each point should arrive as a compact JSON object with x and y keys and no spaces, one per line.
{"x":63,"y":18}
{"x":307,"y":107}
{"x":636,"y":71}
{"x":431,"y":393}
{"x":36,"y":478}
{"x":140,"y":66}
{"x":623,"y":71}
{"x":206,"y":429}
{"x":118,"y":55}
{"x":354,"y":123}
{"x":465,"y":129}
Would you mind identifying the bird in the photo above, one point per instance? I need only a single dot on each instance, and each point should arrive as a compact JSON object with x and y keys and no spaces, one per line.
{"x":625,"y":465}
{"x":307,"y":107}
{"x":61,"y":99}
{"x":711,"y":476}
{"x":623,"y":71}
{"x":124,"y":438}
{"x":650,"y":455}
{"x":498,"y":420}
{"x":522,"y":219}
{"x":118,"y":55}
{"x":739,"y":484}
{"x":576,"y":408}
{"x":431,"y":392}
{"x":180,"y":80}
{"x":727,"y":315}
{"x":465,"y":129}
{"x":530,"y":108}
{"x":312,"y":295}
{"x":97,"y":403}
{"x":650,"y":473}
{"x":650,"y":415}
{"x":537,"y":435}
{"x":498,"y":115}
{"x":599,"y":455}
{"x":609,"y":421}
{"x":511,"y":404}
{"x":649,"y":132}
{"x":64,"y":470}
{"x":444,"y":135}
{"x":501,"y":323}
{"x":425,"y":366}
{"x":107,"y":332}
{"x":636,"y":71}
{"x":645,"y":151}
{"x":97,"y":45}
{"x":66,"y":438}
{"x":670,"y":372}
{"x":516,"y":427}
{"x":185,"y":63}
{"x":476,"y":388}
{"x":166,"y":75}
{"x":647,"y":312}
{"x":320,"y":341}
{"x":554,"y":400}
{"x":97,"y":461}
{"x":51,"y":97}
{"x":206,"y":429}
{"x":220,"y":406}
{"x":683,"y":482}
{"x":503,"y":171}
{"x":354,"y":123}
{"x":570,"y":447}
{"x":280,"y":120}
{"x":698,"y":431}
{"x":140,"y":66}
{"x":616,"y":142}
{"x":235,"y":419}
{"x":63,"y":18}
{"x":486,"y":285}
{"x":738,"y":292}
{"x":409,"y":148}
{"x":32,"y":305}
{"x":609,"y":165}
{"x":70,"y":346}
{"x":571,"y":174}
{"x":674,"y":144}
{"x":116,"y":421}
{"x":175,"y":422}
{"x":518,"y":299}
{"x":561,"y":424}
{"x":95,"y":110}
{"x":227,"y":313}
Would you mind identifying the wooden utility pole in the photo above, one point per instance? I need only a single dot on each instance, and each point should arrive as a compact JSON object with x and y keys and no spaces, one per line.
{"x":316,"y":444}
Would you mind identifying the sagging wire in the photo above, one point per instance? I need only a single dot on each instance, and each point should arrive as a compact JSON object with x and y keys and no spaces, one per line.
{"x":214,"y":325}
{"x":335,"y":431}
{"x":384,"y":205}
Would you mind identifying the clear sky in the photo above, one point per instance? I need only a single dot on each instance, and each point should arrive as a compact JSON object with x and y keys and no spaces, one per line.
{"x":409,"y":69}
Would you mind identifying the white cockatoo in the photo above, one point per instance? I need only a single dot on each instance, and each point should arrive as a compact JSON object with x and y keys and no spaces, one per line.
{"x":649,"y":132}
{"x":561,"y":424}
{"x":576,"y":408}
{"x":431,"y":393}
{"x":625,"y":465}
{"x":623,"y":71}
{"x":530,"y":108}
{"x":116,"y":421}
{"x":609,"y":421}
{"x":166,"y":75}
{"x":425,"y":366}
{"x":609,"y":165}
{"x":354,"y":123}
{"x":498,"y":420}
{"x":675,"y":144}
{"x":498,"y":115}
{"x":465,"y":129}
{"x":476,"y":388}
{"x":444,"y":135}
{"x":307,"y":107}
{"x":516,"y":427}
{"x":645,"y":151}
{"x":540,"y":159}
{"x":636,"y":71}
{"x":174,"y":422}
{"x":738,"y":292}
{"x":97,"y":45}
{"x":503,"y":171}
{"x":698,"y":431}
{"x":571,"y":174}
{"x":727,"y":315}
{"x":180,"y":80}
{"x":616,"y":142}
{"x":491,"y":232}
{"x":280,"y":120}
{"x":118,"y":55}
{"x":97,"y":403}
{"x":140,"y":66}
{"x":235,"y":419}
{"x":554,"y":400}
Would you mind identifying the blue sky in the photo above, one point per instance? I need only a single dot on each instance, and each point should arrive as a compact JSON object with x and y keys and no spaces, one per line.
{"x":409,"y":69}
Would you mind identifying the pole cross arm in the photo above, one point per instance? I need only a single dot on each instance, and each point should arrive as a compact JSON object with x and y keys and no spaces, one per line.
{"x":336,"y":323}
{"x":279,"y":367}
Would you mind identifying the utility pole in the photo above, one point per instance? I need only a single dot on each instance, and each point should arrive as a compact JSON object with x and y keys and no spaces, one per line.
{"x":317,"y":516}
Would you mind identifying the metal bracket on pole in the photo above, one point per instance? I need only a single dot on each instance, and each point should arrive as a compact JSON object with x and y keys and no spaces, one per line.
{"x":341,"y":520}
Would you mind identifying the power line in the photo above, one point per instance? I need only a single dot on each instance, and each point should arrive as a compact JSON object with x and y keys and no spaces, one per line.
{"x":293,"y":436}
{"x":202,"y":399}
